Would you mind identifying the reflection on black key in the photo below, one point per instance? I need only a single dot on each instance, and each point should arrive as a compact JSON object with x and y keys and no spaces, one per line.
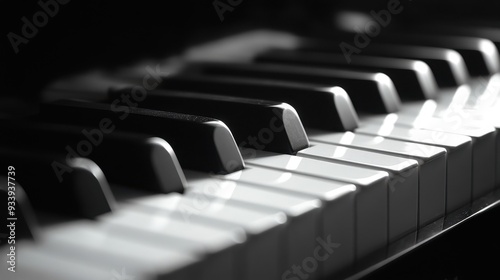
{"x":369,"y":92}
{"x":16,"y":212}
{"x":328,"y":108}
{"x":128,"y":159}
{"x":200,"y":143}
{"x":480,"y":55}
{"x":60,"y":183}
{"x":413,"y":78}
{"x":264,"y":125}
{"x":447,"y":65}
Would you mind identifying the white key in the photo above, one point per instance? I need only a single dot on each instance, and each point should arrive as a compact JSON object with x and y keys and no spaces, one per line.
{"x":483,"y":142}
{"x":474,"y":105}
{"x":432,"y":169}
{"x":448,"y":100}
{"x":371,"y":195}
{"x":39,"y":264}
{"x":88,"y":242}
{"x":218,"y":246}
{"x":403,"y":181}
{"x":264,"y":248}
{"x":304,"y":212}
{"x":479,"y":94}
{"x":491,"y":118}
{"x":484,"y":92}
{"x":484,"y":108}
{"x":459,"y":157}
{"x":338,"y":210}
{"x":451,"y":102}
{"x":442,"y":101}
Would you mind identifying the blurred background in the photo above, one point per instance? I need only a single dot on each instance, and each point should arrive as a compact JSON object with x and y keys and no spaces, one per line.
{"x":86,"y":34}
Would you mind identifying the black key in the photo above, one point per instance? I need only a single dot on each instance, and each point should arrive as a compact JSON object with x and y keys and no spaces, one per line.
{"x":16,"y":210}
{"x":447,"y":65}
{"x":480,"y":29}
{"x":59,"y":183}
{"x":318,"y":107}
{"x":200,"y":143}
{"x":413,"y":78}
{"x":264,"y":125}
{"x":127,"y":159}
{"x":369,"y":92}
{"x":480,"y":55}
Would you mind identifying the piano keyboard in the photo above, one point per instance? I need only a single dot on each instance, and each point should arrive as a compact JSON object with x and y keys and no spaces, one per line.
{"x":263,"y":156}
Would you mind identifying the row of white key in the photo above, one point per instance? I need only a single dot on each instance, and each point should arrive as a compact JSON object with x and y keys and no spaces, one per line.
{"x":263,"y":221}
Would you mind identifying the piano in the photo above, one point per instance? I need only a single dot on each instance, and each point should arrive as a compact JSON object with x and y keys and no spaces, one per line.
{"x":237,"y":139}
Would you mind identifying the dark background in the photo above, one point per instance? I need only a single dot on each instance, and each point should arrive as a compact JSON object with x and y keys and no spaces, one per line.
{"x":86,"y":34}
